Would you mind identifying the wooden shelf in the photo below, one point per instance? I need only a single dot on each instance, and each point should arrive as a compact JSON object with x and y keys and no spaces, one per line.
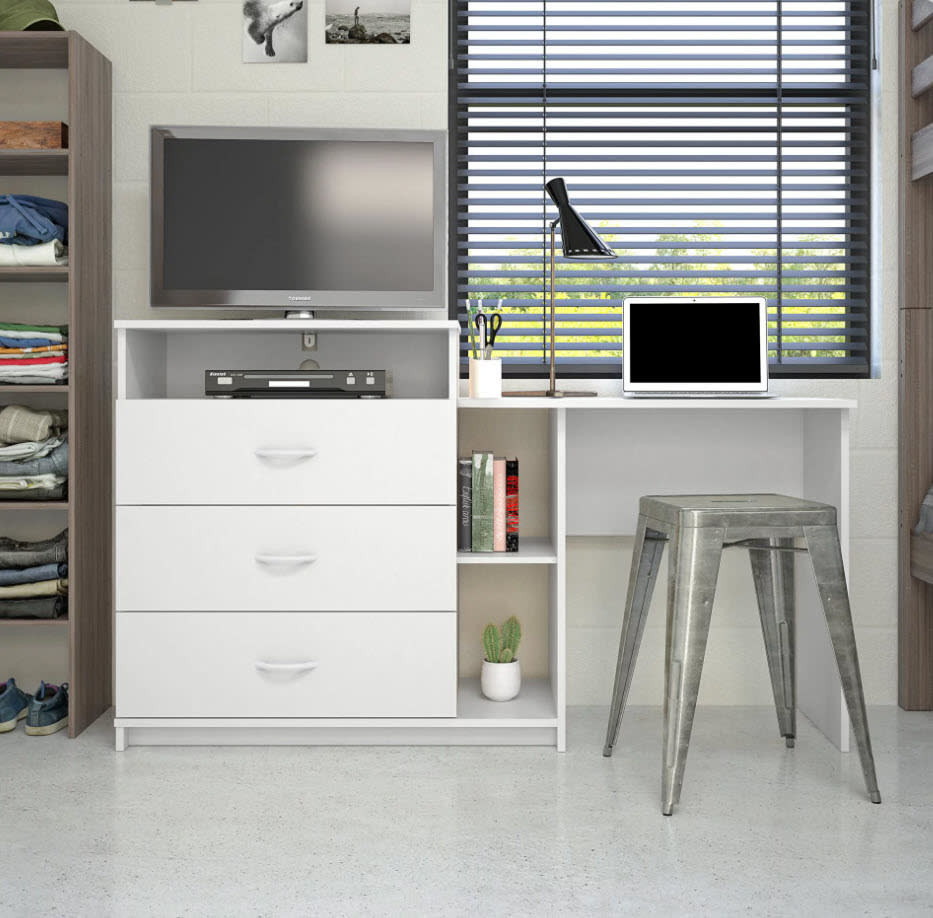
{"x":33,"y":162}
{"x":54,"y":274}
{"x":33,"y":622}
{"x":6,"y":388}
{"x":34,"y":50}
{"x":87,"y":93}
{"x":530,"y":551}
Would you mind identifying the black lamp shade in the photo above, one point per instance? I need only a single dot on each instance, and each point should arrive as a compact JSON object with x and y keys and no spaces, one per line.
{"x":578,"y":240}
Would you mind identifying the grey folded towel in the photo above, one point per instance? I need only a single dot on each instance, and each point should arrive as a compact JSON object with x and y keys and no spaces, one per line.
{"x":41,"y":607}
{"x":57,"y":493}
{"x":19,"y":424}
{"x":14,"y":553}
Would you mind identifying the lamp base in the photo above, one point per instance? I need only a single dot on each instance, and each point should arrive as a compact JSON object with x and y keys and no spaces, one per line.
{"x":549,"y":393}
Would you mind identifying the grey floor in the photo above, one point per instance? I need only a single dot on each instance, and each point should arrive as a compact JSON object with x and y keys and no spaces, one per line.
{"x":761,"y":830}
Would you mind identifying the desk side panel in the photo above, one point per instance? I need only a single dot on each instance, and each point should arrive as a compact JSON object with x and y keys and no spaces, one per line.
{"x":826,"y":478}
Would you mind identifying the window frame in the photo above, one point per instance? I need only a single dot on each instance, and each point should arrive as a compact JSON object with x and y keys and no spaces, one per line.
{"x":566,"y":368}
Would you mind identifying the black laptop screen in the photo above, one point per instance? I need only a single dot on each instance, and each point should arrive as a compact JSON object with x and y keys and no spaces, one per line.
{"x":672,"y":341}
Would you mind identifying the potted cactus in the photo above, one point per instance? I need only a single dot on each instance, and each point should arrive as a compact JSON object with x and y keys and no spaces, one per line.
{"x":501,"y":677}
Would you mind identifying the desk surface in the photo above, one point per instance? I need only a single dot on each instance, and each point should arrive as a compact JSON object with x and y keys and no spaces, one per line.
{"x":640,"y":404}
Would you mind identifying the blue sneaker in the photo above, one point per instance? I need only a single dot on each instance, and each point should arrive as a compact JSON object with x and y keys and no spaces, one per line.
{"x":48,"y":711}
{"x":14,"y":703}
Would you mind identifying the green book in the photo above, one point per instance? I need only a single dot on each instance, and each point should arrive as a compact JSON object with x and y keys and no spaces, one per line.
{"x":482,"y":502}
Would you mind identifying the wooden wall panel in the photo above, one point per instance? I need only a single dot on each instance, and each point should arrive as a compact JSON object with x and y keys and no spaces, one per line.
{"x":90,"y":398}
{"x":915,"y":422}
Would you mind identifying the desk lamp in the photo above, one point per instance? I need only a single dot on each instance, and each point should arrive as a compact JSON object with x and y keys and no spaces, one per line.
{"x":579,"y":242}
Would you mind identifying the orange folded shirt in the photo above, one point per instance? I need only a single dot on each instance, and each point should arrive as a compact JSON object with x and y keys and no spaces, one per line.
{"x":33,"y":350}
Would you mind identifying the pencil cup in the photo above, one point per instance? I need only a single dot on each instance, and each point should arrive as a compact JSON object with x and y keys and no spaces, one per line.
{"x":485,"y":378}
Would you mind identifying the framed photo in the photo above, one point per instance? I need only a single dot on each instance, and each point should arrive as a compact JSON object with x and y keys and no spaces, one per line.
{"x":368,"y":22}
{"x":275,"y":32}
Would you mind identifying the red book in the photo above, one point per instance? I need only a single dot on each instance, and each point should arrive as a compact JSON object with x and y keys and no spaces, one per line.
{"x":511,"y":505}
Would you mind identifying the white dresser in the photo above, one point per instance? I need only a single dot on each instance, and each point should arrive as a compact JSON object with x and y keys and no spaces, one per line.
{"x":281,"y":564}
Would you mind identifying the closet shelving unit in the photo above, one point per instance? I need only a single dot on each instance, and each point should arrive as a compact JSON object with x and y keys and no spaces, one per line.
{"x":86,"y":165}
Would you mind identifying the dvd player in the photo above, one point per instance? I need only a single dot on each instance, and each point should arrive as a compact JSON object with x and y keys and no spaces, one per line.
{"x":295,"y":383}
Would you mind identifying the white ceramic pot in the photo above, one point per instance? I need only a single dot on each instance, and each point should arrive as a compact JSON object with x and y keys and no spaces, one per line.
{"x":486,"y":378}
{"x":501,"y":681}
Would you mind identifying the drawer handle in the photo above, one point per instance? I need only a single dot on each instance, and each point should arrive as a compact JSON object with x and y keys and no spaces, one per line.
{"x":296,"y":453}
{"x":304,"y":667}
{"x":286,"y":560}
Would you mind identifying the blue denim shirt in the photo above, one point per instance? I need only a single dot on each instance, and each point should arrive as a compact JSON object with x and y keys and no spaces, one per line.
{"x":28,"y":220}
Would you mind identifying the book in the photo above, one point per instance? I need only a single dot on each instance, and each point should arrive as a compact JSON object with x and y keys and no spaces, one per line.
{"x":498,"y":504}
{"x":511,"y":505}
{"x":481,"y":529}
{"x":465,"y":508}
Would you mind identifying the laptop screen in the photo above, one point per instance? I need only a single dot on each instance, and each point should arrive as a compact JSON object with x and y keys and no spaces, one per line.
{"x":695,"y":344}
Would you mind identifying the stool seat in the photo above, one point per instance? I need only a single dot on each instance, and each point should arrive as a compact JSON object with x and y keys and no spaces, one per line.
{"x":736,"y":510}
{"x":697,"y":527}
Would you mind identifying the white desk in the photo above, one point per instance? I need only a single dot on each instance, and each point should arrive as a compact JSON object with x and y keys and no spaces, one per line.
{"x":585,"y":463}
{"x":607,"y":452}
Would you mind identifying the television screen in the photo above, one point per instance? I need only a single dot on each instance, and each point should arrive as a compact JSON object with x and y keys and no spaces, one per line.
{"x":322,"y":219}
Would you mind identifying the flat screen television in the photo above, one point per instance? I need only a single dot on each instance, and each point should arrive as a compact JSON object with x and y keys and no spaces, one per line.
{"x":294,"y":218}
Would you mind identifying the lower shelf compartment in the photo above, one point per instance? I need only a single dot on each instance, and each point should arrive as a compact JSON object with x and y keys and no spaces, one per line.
{"x":530,"y":719}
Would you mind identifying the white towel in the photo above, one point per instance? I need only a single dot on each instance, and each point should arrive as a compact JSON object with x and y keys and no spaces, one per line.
{"x":33,"y":370}
{"x":30,"y":482}
{"x":43,"y":255}
{"x":31,"y":449}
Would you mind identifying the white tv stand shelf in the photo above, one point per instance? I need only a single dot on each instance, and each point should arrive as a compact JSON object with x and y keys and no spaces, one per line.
{"x":216,"y":585}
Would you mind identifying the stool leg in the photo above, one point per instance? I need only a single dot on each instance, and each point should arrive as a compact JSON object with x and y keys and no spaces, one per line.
{"x":826,"y":557}
{"x":693,"y":571}
{"x":646,"y":556}
{"x":773,"y":572}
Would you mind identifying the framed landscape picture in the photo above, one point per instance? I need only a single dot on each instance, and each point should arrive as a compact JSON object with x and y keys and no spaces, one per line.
{"x":368,"y":22}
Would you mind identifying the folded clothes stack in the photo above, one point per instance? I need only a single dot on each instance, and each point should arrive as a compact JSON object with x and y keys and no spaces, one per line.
{"x":33,"y":454}
{"x":33,"y":231}
{"x":33,"y":354}
{"x":33,"y":577}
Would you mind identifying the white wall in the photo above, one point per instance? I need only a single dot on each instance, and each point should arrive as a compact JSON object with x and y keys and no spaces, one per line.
{"x":181,"y":64}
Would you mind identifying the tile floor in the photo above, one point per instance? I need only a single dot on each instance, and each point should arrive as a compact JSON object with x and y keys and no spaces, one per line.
{"x":761,"y":830}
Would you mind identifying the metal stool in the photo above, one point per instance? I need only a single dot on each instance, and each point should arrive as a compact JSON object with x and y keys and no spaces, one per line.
{"x":698,"y":527}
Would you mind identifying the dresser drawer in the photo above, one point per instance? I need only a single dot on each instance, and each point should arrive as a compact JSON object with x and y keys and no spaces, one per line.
{"x":286,"y":558}
{"x":188,"y":451}
{"x":286,"y":664}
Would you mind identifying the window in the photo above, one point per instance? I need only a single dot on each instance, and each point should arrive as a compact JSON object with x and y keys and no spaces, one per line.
{"x":713,"y":143}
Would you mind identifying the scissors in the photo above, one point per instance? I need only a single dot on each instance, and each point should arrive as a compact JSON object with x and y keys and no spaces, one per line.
{"x":488,"y":325}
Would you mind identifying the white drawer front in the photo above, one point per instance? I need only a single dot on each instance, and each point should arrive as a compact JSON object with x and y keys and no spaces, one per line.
{"x":286,"y":558}
{"x":187,"y":451}
{"x":286,"y":664}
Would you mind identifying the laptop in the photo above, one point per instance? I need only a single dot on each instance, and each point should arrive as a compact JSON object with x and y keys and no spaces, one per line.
{"x":695,"y":347}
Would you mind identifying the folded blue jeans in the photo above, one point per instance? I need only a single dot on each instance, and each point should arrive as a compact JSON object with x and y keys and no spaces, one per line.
{"x":14,"y":553}
{"x":33,"y":574}
{"x":56,"y":463}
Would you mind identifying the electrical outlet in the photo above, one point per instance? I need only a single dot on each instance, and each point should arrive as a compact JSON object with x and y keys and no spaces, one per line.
{"x":309,"y":341}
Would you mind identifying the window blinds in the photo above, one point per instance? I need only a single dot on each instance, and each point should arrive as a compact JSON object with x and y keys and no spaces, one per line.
{"x":719,"y":147}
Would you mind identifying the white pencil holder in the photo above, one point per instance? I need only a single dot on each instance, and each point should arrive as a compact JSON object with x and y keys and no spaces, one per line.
{"x":485,"y":378}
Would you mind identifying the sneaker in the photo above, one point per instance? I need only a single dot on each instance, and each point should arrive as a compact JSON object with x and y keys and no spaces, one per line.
{"x":48,"y":711}
{"x":14,"y":703}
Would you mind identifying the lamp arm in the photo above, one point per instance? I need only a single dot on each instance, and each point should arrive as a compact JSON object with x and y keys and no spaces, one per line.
{"x":553,"y":319}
